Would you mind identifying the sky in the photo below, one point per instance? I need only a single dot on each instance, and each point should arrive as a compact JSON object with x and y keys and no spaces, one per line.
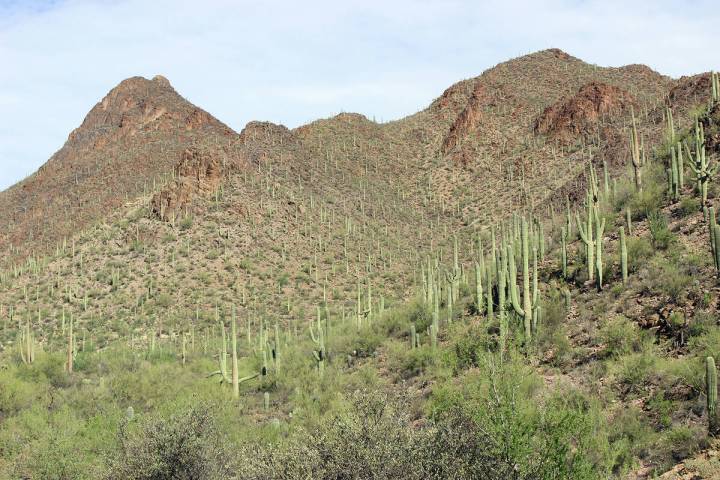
{"x":291,"y":62}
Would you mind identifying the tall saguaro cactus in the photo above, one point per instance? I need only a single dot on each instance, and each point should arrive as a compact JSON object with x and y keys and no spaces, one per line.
{"x":623,"y":256}
{"x":599,"y":231}
{"x":478,"y":288}
{"x":712,"y":230}
{"x":701,"y":164}
{"x":712,"y":394}
{"x":592,"y":233}
{"x":637,"y":154}
{"x":586,"y":234}
{"x":70,"y":349}
{"x":320,"y":354}
{"x":526,"y":309}
{"x":502,"y":300}
{"x":233,"y":378}
{"x":563,"y":251}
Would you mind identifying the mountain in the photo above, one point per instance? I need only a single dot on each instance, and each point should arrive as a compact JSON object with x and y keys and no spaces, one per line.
{"x":136,"y":137}
{"x":131,"y":140}
{"x":343,"y":257}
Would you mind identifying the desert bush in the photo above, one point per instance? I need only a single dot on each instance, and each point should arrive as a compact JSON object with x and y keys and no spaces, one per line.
{"x":185,"y":445}
{"x":689,"y":206}
{"x":470,"y":345}
{"x":364,"y":344}
{"x":634,"y":370}
{"x":667,"y":277}
{"x":660,"y":234}
{"x":406,"y":362}
{"x":551,"y":337}
{"x":620,"y":336}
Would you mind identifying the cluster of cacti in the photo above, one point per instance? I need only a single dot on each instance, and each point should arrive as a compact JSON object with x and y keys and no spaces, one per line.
{"x":592,"y":231}
{"x":26,"y":344}
{"x":414,"y":337}
{"x":496,"y":294}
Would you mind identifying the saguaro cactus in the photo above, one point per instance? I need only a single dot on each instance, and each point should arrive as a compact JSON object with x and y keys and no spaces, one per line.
{"x":320,"y":354}
{"x":70,"y":352}
{"x":235,"y":376}
{"x":586,"y":234}
{"x":26,"y":344}
{"x":637,"y":154}
{"x":502,"y":300}
{"x":489,"y":295}
{"x":623,"y":256}
{"x":674,"y":176}
{"x":701,"y":164}
{"x":599,"y":230}
{"x":593,"y":237}
{"x":222,"y":356}
{"x":526,"y":309}
{"x":712,"y":223}
{"x":712,"y":393}
{"x":478,"y":288}
{"x":563,"y":251}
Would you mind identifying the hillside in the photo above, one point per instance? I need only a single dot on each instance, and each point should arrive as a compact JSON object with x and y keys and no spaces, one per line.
{"x":128,"y":142}
{"x":157,"y":241}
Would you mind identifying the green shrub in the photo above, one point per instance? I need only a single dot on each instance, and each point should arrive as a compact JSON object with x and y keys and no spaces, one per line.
{"x":660,"y":234}
{"x":682,"y":442}
{"x":469,"y":348}
{"x":635,"y":370}
{"x":666,"y":277}
{"x":620,"y":336}
{"x":186,"y":445}
{"x":639,"y":251}
{"x":371,"y":439}
{"x":651,"y":199}
{"x":689,"y":206}
{"x":662,"y":408}
{"x":552,"y":338}
{"x":700,"y":324}
{"x":364,"y":344}
{"x":186,"y":223}
{"x":408,"y":363}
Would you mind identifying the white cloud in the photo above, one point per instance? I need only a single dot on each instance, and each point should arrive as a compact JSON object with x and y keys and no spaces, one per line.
{"x":291,"y":62}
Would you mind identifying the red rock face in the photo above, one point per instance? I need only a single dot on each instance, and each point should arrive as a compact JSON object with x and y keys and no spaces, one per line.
{"x":198,"y":173}
{"x":466,"y":122}
{"x":581,"y":113}
{"x":690,"y":91}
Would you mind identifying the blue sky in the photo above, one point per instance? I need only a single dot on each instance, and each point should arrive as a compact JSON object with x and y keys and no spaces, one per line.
{"x":291,"y":62}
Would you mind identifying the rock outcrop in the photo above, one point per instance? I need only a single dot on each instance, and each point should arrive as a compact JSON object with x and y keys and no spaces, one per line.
{"x":199,"y":173}
{"x":582,"y":113}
